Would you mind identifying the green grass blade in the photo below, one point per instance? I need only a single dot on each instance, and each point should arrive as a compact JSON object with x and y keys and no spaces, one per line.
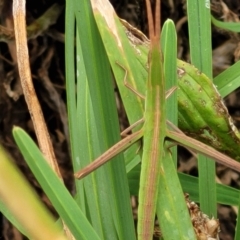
{"x":232,"y":26}
{"x":225,"y":194}
{"x":229,"y":80}
{"x":104,"y":121}
{"x":199,"y":25}
{"x":171,"y":209}
{"x":54,"y":188}
{"x":96,"y":187}
{"x":169,"y":46}
{"x":21,"y":205}
{"x":119,"y":49}
{"x":71,"y":96}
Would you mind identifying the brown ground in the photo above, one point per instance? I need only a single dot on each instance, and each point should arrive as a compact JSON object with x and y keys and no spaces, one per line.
{"x":47,"y":64}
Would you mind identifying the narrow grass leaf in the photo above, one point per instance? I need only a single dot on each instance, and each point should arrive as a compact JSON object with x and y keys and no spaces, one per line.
{"x":169,"y":46}
{"x":225,"y":194}
{"x":171,"y":208}
{"x":21,"y":205}
{"x":199,"y":25}
{"x":96,"y":187}
{"x":172,"y":211}
{"x":231,"y":26}
{"x":229,"y":80}
{"x":119,"y":49}
{"x":72,"y":97}
{"x":104,"y":121}
{"x":54,"y":188}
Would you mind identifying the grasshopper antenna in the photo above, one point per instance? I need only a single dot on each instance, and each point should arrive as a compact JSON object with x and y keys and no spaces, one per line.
{"x":154,"y":25}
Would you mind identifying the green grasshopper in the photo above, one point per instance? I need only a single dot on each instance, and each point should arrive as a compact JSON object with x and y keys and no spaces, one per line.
{"x":154,"y":132}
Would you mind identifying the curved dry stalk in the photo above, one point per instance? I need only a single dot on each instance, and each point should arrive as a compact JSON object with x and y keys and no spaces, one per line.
{"x":34,"y":107}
